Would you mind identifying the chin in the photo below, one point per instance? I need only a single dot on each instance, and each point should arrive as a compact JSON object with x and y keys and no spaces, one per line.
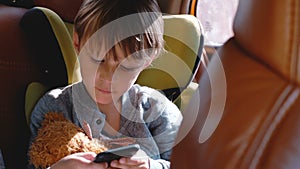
{"x":104,"y":101}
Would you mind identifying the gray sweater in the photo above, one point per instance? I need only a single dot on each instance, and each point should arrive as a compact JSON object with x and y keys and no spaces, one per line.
{"x":147,"y":116}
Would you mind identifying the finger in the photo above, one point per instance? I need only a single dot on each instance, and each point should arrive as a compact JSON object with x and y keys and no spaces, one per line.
{"x":130,"y":161}
{"x":99,"y":165}
{"x":86,"y":155}
{"x":126,"y":163}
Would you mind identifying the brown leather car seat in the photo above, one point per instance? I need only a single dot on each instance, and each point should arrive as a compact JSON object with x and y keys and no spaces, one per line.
{"x":175,"y":6}
{"x":19,"y":67}
{"x":16,"y":69}
{"x":249,"y":113}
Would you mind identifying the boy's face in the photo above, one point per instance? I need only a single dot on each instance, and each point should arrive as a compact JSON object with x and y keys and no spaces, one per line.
{"x":107,"y":79}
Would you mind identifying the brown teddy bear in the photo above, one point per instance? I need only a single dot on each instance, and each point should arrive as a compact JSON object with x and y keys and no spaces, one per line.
{"x":57,"y":138}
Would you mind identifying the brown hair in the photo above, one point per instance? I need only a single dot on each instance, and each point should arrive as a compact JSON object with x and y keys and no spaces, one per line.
{"x":135,"y":25}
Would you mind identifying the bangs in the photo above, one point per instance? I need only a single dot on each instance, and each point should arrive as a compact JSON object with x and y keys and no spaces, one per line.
{"x":134,"y":37}
{"x":139,"y":47}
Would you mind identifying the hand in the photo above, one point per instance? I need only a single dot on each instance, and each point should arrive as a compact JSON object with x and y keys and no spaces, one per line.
{"x":79,"y":161}
{"x":139,"y":161}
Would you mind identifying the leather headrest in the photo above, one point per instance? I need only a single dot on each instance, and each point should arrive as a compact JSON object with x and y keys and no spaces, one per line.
{"x":270,"y":31}
{"x":66,"y":9}
{"x":174,"y":6}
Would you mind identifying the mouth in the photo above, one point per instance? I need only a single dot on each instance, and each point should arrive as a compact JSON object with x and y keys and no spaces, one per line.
{"x":103,"y":91}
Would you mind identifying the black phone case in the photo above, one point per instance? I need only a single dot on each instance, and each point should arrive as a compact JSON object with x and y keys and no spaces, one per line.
{"x":117,"y":153}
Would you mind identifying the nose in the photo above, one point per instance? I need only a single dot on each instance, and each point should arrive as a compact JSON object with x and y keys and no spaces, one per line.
{"x":106,"y":70}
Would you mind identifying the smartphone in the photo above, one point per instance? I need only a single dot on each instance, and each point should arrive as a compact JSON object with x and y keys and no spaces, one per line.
{"x":117,"y":153}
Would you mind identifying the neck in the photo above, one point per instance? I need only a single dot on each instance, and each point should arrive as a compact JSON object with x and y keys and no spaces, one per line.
{"x":112,"y":112}
{"x":111,"y":108}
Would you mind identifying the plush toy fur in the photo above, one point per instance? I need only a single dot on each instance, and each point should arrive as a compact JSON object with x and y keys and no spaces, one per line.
{"x":57,"y":138}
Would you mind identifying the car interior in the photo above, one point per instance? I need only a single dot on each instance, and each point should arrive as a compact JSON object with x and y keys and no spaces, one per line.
{"x":45,"y":58}
{"x":240,"y":102}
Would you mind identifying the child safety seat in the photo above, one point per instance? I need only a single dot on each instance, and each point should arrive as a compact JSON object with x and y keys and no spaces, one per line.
{"x":171,"y":73}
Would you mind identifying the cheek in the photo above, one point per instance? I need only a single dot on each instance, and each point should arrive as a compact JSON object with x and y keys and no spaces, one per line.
{"x":123,"y":81}
{"x":86,"y":67}
{"x":124,"y":77}
{"x":88,"y":72}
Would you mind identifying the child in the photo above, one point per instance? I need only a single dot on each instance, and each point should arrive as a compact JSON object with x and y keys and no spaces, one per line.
{"x":116,"y":40}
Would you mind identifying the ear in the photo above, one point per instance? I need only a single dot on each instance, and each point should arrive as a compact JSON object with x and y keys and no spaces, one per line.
{"x":76,"y":41}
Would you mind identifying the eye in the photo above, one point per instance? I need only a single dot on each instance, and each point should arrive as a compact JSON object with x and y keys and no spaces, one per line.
{"x":96,"y":60}
{"x":129,"y":69}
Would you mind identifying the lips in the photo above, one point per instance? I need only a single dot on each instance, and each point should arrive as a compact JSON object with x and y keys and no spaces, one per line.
{"x":104,"y":91}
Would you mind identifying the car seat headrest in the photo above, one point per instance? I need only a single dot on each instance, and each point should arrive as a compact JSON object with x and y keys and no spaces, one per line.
{"x":270,"y":39}
{"x":173,"y":71}
{"x":50,"y":39}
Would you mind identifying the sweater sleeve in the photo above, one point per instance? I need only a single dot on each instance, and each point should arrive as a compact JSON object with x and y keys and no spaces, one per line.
{"x":159,"y":164}
{"x":164,"y":131}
